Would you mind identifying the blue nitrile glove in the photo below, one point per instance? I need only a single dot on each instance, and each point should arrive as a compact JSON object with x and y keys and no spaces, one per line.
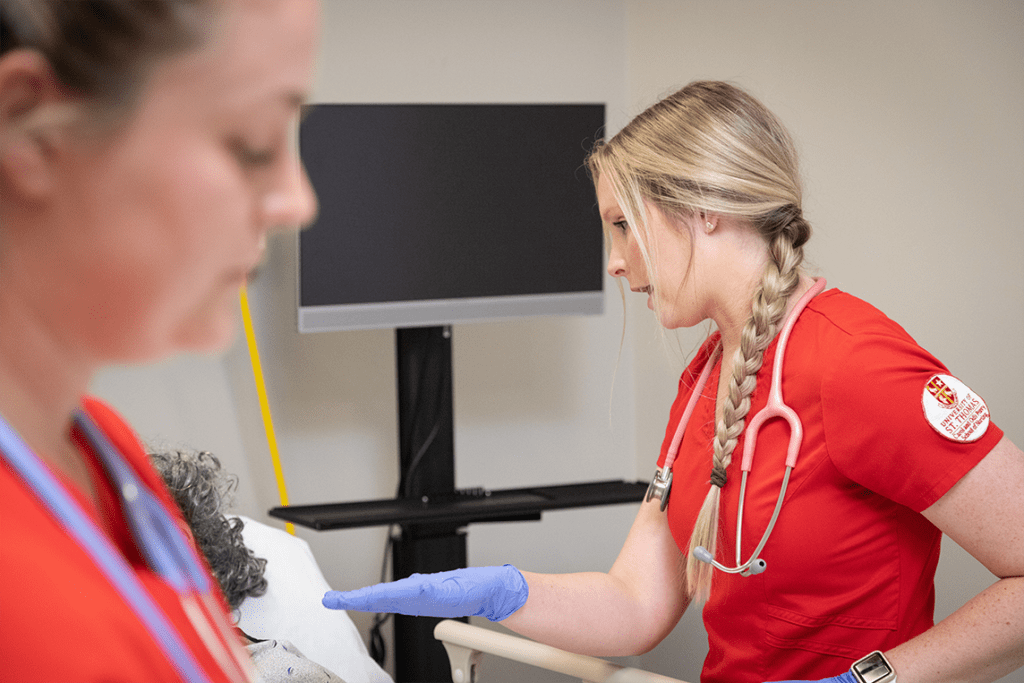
{"x":492,"y":592}
{"x":845,"y":677}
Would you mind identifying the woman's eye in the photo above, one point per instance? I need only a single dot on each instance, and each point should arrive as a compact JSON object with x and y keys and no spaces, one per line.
{"x":253,"y":157}
{"x":621,"y":225}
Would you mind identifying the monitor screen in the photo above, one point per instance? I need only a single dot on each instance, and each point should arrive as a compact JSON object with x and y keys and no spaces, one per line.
{"x":433,"y":214}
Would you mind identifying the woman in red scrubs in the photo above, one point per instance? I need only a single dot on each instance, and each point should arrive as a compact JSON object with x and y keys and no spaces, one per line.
{"x":146,"y":151}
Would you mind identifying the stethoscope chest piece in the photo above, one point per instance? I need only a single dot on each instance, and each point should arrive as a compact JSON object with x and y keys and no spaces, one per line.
{"x":660,"y":487}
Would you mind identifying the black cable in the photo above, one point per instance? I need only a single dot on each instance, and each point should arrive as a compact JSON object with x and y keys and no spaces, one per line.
{"x":377,"y":646}
{"x":407,"y":478}
{"x":419,"y":457}
{"x":417,"y":412}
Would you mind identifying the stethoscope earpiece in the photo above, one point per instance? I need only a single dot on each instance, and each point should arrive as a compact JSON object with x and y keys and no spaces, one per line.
{"x":702,"y":554}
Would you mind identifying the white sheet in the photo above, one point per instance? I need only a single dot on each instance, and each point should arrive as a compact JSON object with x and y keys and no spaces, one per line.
{"x":291,"y":609}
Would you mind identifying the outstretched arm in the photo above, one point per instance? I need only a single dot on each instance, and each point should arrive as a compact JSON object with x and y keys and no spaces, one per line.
{"x":627,"y":611}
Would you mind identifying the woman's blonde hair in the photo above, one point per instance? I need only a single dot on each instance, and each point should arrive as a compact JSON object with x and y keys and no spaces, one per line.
{"x":711,"y":147}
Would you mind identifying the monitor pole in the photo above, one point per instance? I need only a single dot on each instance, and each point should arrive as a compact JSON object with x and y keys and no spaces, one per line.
{"x":427,"y":470}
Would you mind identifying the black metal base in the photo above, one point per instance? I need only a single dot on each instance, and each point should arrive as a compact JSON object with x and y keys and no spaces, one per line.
{"x":419,"y":658}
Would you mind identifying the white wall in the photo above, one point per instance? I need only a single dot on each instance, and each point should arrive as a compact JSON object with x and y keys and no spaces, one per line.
{"x":908,"y":116}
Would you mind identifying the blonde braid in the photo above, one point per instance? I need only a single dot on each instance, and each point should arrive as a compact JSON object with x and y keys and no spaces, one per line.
{"x":768,"y":308}
{"x":710,"y":146}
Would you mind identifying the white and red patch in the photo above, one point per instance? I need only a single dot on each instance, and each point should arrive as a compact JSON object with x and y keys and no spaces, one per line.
{"x":953,"y":410}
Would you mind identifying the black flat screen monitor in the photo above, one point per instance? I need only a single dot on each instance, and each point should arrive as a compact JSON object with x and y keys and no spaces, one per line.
{"x":433,"y":214}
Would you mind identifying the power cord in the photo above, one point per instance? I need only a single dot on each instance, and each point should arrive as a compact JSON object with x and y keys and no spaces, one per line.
{"x":377,"y":646}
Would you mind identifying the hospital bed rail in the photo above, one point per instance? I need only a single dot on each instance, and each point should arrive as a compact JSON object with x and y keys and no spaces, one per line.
{"x":466,"y":644}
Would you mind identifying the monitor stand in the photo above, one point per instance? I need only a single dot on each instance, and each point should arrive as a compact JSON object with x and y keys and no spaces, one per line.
{"x":430,"y":512}
{"x":426,"y":455}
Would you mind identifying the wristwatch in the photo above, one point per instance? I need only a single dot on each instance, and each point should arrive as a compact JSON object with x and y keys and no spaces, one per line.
{"x":874,"y":668}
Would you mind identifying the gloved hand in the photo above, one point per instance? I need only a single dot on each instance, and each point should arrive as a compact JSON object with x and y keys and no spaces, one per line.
{"x":845,"y":677}
{"x":492,"y":592}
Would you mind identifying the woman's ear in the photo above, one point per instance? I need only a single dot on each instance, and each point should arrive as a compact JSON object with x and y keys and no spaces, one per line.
{"x":709,"y":221}
{"x":33,"y":112}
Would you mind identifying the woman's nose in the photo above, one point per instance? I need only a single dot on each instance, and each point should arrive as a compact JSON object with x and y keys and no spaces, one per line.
{"x":292,"y":204}
{"x":616,"y":264}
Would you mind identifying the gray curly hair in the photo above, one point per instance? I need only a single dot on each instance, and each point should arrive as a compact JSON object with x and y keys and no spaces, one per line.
{"x":202,"y":489}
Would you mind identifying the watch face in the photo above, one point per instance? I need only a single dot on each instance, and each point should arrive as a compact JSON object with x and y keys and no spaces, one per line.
{"x":873,"y":669}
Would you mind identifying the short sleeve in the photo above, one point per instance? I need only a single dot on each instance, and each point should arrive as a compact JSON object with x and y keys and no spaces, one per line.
{"x":877,"y":428}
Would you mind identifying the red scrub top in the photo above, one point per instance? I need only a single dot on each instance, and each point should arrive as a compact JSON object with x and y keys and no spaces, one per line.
{"x":60,"y":618}
{"x":851,"y":562}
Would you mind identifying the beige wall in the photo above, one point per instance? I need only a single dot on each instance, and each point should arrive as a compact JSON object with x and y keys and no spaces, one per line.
{"x":908,"y":117}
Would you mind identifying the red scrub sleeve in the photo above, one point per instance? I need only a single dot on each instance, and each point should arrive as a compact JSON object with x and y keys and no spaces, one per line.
{"x":876,"y":429}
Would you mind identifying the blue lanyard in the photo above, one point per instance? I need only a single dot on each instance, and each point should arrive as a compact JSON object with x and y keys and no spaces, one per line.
{"x":160,"y":542}
{"x":157,"y":536}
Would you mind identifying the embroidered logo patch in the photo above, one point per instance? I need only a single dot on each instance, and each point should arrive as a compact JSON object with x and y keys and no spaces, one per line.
{"x":953,"y":410}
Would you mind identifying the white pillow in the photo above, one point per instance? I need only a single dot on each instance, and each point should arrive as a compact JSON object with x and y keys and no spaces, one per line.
{"x":291,"y":608}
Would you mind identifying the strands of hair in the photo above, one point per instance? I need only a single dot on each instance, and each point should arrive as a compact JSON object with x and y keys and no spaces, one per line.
{"x":203,"y":491}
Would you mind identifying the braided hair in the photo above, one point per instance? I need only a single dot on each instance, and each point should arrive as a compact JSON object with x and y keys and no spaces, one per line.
{"x":712,"y":147}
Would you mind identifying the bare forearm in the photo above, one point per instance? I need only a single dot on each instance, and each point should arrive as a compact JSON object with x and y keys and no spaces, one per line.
{"x":588,"y":613}
{"x":627,"y":611}
{"x":982,"y":641}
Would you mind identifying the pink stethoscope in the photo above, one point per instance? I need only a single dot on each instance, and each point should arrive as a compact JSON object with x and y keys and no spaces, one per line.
{"x":662,"y":482}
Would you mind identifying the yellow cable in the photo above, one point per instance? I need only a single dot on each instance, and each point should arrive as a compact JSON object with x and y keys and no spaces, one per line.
{"x":261,"y":390}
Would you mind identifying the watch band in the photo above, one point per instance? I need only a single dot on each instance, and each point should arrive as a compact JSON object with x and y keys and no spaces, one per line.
{"x":873,"y":668}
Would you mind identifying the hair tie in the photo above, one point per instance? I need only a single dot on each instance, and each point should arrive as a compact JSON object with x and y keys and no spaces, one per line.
{"x":718,"y":476}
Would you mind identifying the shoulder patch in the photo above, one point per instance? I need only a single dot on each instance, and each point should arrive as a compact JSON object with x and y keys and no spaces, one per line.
{"x":953,"y":410}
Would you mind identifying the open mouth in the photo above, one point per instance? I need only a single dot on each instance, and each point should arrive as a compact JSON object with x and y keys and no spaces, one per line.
{"x":643,"y":290}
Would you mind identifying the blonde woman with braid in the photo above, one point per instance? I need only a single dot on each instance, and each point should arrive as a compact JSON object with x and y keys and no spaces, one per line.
{"x":701,"y":203}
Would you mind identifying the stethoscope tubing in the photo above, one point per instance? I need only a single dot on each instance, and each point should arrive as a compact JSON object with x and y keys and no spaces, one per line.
{"x":80,"y":526}
{"x":774,"y":408}
{"x":163,"y":547}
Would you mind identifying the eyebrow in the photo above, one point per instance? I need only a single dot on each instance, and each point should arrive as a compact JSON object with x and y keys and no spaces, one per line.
{"x":612,"y":211}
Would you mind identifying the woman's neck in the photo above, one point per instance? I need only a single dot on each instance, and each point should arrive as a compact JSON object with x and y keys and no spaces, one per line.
{"x":731,"y":325}
{"x":42,"y":386}
{"x":733,"y":330}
